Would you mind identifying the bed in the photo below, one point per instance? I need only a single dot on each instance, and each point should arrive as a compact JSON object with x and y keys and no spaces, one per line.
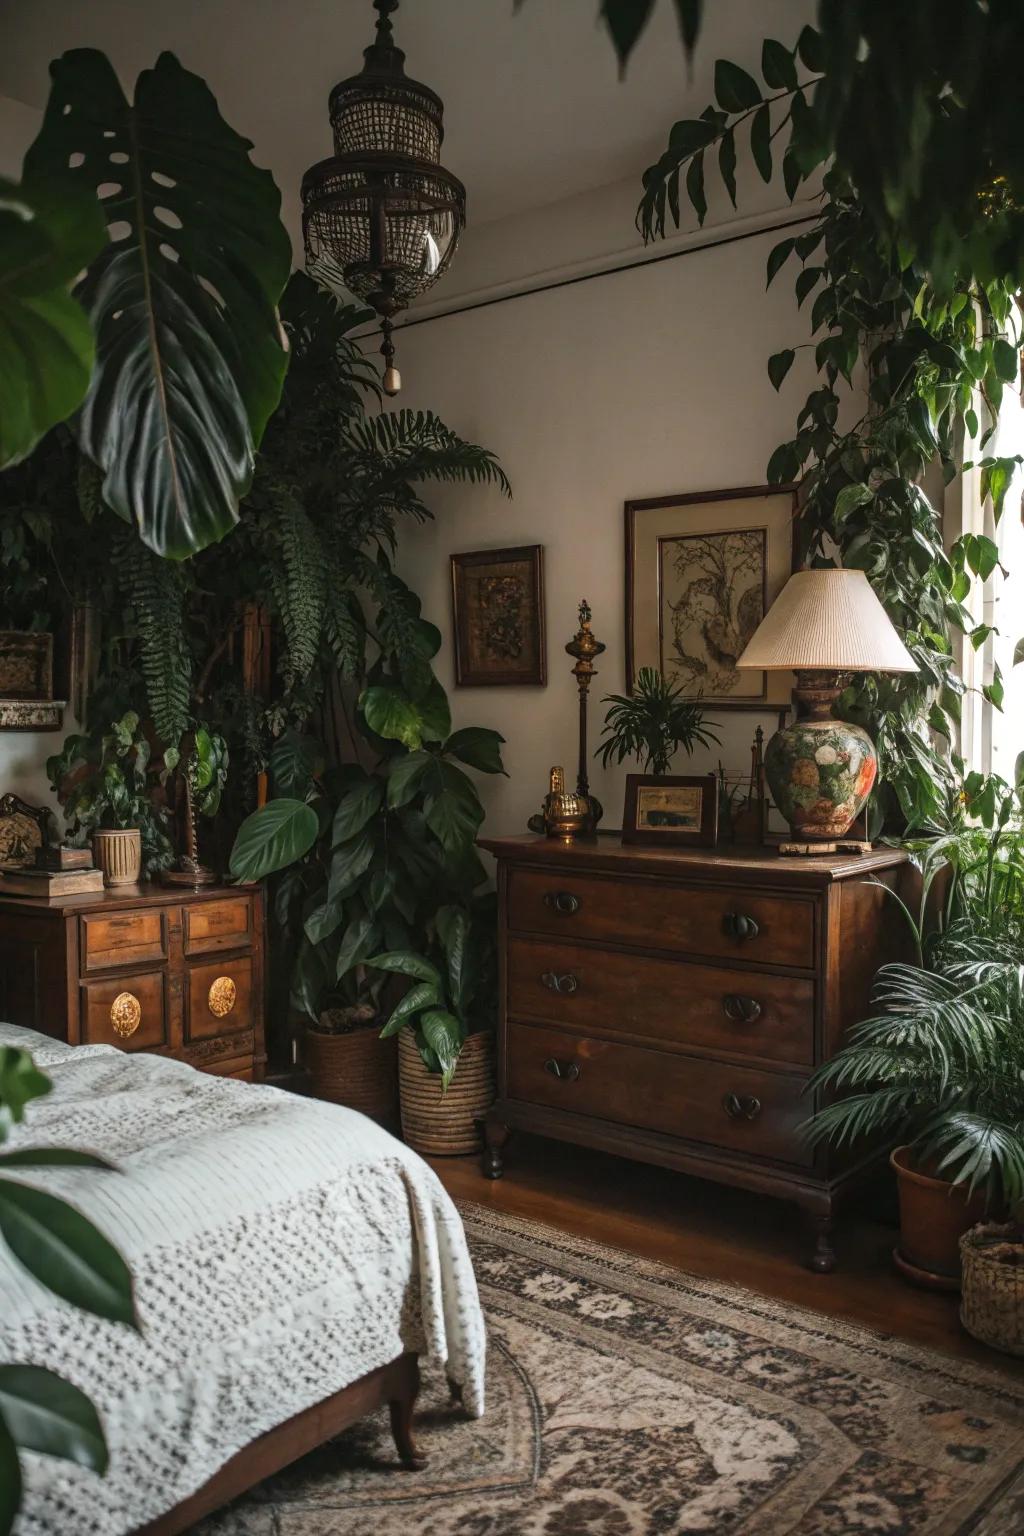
{"x":291,"y":1260}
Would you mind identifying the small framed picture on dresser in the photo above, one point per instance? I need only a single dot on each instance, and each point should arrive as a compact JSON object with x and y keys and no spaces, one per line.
{"x":671,"y":812}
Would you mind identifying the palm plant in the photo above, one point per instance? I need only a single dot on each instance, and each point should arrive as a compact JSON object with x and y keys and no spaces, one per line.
{"x":941,"y":1064}
{"x":653,"y":724}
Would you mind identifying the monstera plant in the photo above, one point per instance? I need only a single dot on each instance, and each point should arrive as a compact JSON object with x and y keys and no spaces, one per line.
{"x":181,"y":298}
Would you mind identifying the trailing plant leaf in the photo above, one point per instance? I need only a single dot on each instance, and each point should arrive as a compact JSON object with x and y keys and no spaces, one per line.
{"x":48,"y":233}
{"x":66,"y":1252}
{"x":46,"y":1414}
{"x":189,"y":363}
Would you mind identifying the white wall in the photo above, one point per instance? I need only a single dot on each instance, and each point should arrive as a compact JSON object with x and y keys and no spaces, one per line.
{"x":645,"y":382}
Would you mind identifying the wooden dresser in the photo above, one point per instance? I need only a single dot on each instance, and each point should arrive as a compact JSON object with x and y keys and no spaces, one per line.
{"x":147,"y":968}
{"x":670,"y":1006}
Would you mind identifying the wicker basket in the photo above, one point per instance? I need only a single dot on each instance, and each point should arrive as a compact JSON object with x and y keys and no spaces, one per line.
{"x":992,"y":1256}
{"x":355,"y":1068}
{"x":444,"y":1124}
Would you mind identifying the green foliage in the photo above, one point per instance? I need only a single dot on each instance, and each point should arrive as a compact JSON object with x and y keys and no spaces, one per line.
{"x":653,"y":724}
{"x":441,"y":1009}
{"x":47,"y":235}
{"x":39,"y":1410}
{"x":929,"y":346}
{"x":273,"y":837}
{"x":154,"y":592}
{"x":105,"y":779}
{"x":182,"y":299}
{"x":942,"y":1061}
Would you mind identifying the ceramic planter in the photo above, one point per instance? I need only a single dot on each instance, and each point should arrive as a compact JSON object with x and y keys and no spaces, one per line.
{"x":934,"y":1215}
{"x":118,"y":852}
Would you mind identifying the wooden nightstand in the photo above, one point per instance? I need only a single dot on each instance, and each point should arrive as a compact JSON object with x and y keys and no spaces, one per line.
{"x":670,"y":1006}
{"x":146,"y":968}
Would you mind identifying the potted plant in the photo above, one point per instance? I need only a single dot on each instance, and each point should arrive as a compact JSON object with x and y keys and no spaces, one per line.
{"x":941,"y":1063}
{"x":102,"y":783}
{"x":653,"y":724}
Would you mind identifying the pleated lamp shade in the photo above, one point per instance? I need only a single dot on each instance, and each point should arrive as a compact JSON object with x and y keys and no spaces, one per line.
{"x":827,"y":620}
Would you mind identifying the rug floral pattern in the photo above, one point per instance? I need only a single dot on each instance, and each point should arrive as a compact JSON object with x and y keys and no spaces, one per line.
{"x":628,"y":1399}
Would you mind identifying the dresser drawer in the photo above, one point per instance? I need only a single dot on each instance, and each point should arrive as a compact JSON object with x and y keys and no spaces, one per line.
{"x":708,"y":1007}
{"x":736,"y":1108}
{"x":213,"y":925}
{"x":218,"y":998}
{"x":122,"y":938}
{"x":708,"y":920}
{"x":129,"y":1011}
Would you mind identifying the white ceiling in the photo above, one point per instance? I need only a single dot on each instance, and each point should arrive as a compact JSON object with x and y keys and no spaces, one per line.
{"x":534,"y":107}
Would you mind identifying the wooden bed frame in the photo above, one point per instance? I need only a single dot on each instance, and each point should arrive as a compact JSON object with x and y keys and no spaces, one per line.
{"x":396,"y":1384}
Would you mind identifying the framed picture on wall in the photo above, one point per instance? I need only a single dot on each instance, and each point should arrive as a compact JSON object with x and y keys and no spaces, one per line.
{"x":701,"y":571}
{"x":498,"y":617}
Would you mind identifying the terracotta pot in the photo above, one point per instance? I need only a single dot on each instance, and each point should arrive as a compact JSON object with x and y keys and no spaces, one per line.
{"x":118,"y":852}
{"x":444,"y":1124}
{"x":353,"y":1066}
{"x":934,"y":1215}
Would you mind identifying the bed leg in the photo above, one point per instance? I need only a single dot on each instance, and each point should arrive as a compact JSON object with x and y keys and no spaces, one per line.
{"x":401,"y":1409}
{"x":454,"y":1393}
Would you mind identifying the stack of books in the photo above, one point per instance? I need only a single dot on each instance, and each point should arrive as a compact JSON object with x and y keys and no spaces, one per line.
{"x":56,"y":872}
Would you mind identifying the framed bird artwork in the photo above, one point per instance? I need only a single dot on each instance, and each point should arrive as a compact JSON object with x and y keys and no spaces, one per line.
{"x":701,"y":571}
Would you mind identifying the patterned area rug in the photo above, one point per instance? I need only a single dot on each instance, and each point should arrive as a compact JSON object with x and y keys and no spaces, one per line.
{"x":628,"y":1399}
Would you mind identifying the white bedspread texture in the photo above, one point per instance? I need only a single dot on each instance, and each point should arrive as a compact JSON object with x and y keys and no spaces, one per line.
{"x":281,"y":1249}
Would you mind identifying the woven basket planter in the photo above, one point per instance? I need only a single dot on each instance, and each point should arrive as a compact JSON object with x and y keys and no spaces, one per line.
{"x":355,"y":1068}
{"x":444,"y":1124}
{"x":992,"y":1256}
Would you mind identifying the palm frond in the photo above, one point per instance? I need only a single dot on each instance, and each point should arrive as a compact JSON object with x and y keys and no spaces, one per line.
{"x":419,"y":446}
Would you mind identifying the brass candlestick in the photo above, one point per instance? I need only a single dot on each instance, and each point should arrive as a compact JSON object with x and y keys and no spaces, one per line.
{"x":584,"y":647}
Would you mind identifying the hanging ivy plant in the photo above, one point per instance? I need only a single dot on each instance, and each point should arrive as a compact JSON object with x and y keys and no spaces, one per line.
{"x":930,"y":351}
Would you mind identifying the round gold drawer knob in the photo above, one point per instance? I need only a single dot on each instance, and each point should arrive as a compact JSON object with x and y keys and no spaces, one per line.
{"x":222,"y":996}
{"x":125,"y":1014}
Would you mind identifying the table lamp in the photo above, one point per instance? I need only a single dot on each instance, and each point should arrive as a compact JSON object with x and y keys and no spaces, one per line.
{"x":824,"y":625}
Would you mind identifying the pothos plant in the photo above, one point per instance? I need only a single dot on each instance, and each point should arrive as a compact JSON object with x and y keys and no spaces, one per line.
{"x":937,"y":347}
{"x":41,"y":1411}
{"x":377,"y":872}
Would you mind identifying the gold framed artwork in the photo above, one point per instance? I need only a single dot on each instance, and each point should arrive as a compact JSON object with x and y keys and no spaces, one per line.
{"x":671,"y":811}
{"x":701,"y":571}
{"x":498,"y":617}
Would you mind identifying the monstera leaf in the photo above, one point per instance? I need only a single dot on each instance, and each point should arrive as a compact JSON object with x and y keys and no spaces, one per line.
{"x":46,"y":342}
{"x":190,"y":359}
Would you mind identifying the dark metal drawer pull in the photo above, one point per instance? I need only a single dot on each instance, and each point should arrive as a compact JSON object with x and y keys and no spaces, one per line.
{"x":741,"y":1106}
{"x":740,"y":926}
{"x":562,"y":984}
{"x":565,"y":1071}
{"x":562,"y":901}
{"x":741,"y":1010}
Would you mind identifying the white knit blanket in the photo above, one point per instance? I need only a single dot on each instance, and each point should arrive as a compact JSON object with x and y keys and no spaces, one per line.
{"x":281,"y":1248}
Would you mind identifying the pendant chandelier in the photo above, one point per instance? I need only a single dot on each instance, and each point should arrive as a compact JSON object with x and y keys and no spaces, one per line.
{"x":382,"y":217}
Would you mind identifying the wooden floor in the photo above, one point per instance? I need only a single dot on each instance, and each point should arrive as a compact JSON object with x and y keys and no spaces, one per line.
{"x":722,"y":1233}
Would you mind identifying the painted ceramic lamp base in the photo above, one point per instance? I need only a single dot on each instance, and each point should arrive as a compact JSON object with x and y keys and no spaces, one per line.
{"x":820,"y":773}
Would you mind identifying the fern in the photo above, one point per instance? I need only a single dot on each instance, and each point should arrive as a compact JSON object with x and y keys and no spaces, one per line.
{"x":297,"y":580}
{"x":156,"y":591}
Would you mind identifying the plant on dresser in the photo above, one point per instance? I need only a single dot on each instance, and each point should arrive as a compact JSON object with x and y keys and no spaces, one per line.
{"x":652,"y":724}
{"x":673,"y":1005}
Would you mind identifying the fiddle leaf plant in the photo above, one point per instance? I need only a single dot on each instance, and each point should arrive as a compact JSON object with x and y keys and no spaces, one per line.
{"x":39,"y":1410}
{"x":189,"y":353}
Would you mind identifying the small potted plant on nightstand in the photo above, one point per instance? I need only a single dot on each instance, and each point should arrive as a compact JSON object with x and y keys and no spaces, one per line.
{"x":101,"y":782}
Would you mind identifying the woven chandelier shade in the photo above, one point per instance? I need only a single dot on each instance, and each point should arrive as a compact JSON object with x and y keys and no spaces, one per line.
{"x":382,"y":217}
{"x":827,"y":620}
